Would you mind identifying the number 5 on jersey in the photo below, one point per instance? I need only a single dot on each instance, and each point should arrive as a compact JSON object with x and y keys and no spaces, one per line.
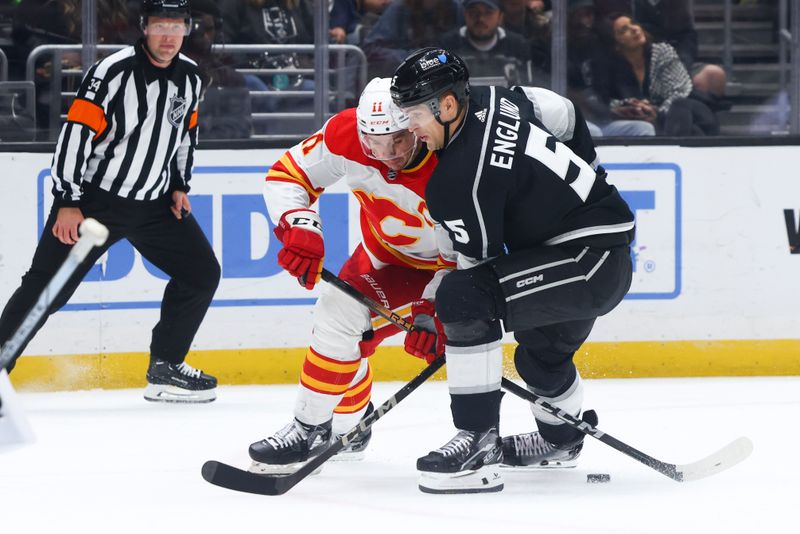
{"x":456,"y":227}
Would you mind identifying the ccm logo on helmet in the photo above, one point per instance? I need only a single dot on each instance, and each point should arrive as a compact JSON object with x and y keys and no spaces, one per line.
{"x":531,"y":280}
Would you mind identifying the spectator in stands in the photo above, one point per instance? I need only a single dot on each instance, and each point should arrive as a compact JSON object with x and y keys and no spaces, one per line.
{"x":405,"y":26}
{"x":672,"y":22}
{"x":583,"y":44}
{"x":643,"y":80}
{"x":225,"y":100}
{"x":274,"y":22}
{"x":343,"y":19}
{"x":531,"y":19}
{"x":486,"y":47}
{"x":368,"y":11}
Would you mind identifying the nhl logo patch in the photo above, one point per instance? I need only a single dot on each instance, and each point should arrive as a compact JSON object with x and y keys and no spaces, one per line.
{"x":177,"y":110}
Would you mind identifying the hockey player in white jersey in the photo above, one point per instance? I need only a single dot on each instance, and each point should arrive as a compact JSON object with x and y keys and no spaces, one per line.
{"x":395,"y":263}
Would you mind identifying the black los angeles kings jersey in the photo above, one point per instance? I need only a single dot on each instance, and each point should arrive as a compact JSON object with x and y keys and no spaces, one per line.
{"x":505,"y":182}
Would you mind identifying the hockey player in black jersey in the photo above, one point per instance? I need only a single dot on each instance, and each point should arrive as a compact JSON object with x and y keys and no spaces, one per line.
{"x":543,"y":250}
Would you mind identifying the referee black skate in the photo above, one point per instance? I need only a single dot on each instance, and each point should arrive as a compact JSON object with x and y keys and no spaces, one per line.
{"x":124,"y":157}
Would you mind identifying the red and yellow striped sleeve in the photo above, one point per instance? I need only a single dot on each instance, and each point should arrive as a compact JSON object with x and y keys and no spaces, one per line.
{"x":287,"y":170}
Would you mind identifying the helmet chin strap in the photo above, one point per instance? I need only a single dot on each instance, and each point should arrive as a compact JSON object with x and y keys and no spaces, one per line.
{"x":448,"y":123}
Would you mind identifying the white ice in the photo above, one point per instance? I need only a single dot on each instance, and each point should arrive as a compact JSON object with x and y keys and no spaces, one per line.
{"x":107,"y":461}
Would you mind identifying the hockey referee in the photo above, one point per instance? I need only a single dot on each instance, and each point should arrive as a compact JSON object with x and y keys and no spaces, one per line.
{"x":124,"y":157}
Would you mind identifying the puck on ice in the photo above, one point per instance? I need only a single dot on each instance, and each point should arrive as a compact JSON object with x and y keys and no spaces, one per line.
{"x":598,"y":478}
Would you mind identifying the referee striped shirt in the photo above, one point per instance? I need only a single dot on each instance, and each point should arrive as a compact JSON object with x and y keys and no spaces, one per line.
{"x":131,"y":130}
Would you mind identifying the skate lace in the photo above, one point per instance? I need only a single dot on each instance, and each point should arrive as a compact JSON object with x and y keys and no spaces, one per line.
{"x":187,"y":370}
{"x":531,"y":445}
{"x":461,"y":443}
{"x":286,"y":436}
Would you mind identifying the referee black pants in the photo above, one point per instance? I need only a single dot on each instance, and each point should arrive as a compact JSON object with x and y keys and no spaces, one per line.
{"x":177,"y":247}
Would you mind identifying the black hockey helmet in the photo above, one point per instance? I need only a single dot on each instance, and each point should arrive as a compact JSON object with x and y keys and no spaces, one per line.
{"x":175,"y":9}
{"x":427,"y":74}
{"x":168,"y":9}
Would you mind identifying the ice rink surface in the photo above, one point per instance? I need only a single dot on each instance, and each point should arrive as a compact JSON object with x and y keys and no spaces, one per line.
{"x":109,"y":462}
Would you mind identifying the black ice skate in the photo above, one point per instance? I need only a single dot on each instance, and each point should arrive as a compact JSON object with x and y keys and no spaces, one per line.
{"x":468,"y":463}
{"x":354,"y":451}
{"x":170,"y":382}
{"x":289,"y":448}
{"x":532,"y":451}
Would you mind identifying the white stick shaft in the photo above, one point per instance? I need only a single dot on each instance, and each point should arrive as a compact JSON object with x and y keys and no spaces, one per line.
{"x":92,"y":234}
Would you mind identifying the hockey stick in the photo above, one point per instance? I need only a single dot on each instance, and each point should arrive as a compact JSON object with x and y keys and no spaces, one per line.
{"x":93,"y":234}
{"x":230,"y":477}
{"x":728,"y":456}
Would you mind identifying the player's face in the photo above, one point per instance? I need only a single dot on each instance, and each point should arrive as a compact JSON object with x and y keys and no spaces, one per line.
{"x":164,"y":37}
{"x":395,"y":150}
{"x":423,"y":124}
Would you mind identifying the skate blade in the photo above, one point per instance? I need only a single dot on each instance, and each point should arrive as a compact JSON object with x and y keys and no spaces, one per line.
{"x":278,"y":469}
{"x":555,"y":464}
{"x":352,"y":456}
{"x":487,"y":479}
{"x":164,"y":393}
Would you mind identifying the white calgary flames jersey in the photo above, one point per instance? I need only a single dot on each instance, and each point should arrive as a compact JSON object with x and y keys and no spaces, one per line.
{"x":395,"y":226}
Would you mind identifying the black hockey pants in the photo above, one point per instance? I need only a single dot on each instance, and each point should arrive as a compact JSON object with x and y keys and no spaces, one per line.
{"x":548,"y":296}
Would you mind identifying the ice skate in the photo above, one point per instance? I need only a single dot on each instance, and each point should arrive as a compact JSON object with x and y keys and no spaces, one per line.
{"x":354,"y":451}
{"x":532,"y":451}
{"x":170,"y":382}
{"x":468,"y":463}
{"x":289,"y":448}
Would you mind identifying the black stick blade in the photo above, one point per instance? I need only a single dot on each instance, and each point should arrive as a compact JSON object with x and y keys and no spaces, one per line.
{"x":233,"y":478}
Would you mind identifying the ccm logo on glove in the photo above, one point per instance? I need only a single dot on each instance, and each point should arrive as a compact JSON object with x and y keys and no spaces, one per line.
{"x":303,"y":250}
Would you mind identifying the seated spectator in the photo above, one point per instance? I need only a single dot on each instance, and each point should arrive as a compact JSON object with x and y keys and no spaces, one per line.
{"x":354,"y":19}
{"x":405,"y":26}
{"x":583,"y":43}
{"x":274,"y":22}
{"x":671,"y":22}
{"x":343,"y":20}
{"x":486,"y":47}
{"x":225,"y":102}
{"x":642,"y":80}
{"x":530,"y":18}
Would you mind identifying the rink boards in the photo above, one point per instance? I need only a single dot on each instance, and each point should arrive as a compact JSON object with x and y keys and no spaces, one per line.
{"x":715,"y":289}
